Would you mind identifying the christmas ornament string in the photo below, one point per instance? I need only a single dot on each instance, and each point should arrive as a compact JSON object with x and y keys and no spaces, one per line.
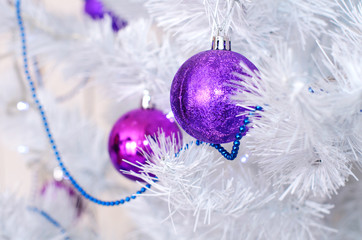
{"x":47,"y":127}
{"x":220,"y":27}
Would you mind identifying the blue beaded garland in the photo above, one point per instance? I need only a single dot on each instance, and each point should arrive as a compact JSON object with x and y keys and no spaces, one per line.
{"x":46,"y":124}
{"x":49,"y":219}
{"x":238,"y":137}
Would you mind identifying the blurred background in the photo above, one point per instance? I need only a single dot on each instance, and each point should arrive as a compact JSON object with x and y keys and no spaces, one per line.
{"x":15,"y":171}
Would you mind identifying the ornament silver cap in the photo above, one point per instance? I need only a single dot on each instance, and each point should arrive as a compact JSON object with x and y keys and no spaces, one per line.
{"x":221,"y":43}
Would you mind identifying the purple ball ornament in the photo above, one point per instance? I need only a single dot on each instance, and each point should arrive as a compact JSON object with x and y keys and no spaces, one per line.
{"x":54,"y":188}
{"x":127,"y":139}
{"x":201,"y":94}
{"x":96,"y":10}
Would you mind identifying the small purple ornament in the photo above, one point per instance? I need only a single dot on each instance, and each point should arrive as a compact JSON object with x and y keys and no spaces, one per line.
{"x":56,"y":186}
{"x":127,"y":139}
{"x":96,"y":10}
{"x":201,"y":94}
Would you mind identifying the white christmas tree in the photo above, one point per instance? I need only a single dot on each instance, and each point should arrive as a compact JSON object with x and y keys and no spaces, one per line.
{"x":296,"y":170}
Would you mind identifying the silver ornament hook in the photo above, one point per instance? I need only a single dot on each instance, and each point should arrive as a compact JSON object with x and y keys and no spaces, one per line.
{"x":146,"y":100}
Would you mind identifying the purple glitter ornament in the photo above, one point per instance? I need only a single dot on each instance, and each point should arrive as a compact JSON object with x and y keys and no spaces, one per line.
{"x":127,"y":139}
{"x":201,"y":95}
{"x":96,"y":10}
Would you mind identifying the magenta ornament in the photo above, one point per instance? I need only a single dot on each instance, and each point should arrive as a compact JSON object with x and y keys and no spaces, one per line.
{"x":57,"y":186}
{"x":96,"y":10}
{"x":127,"y":139}
{"x":201,"y":95}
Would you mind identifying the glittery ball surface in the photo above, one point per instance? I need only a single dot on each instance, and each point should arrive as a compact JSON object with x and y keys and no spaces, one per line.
{"x":201,"y":95}
{"x":127,"y":139}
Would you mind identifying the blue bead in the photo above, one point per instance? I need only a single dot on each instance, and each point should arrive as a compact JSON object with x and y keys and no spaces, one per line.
{"x":133,"y":196}
{"x":118,"y":202}
{"x":238,"y":136}
{"x":236,"y":142}
{"x":138,"y":192}
{"x":246,"y":121}
{"x":236,"y":147}
{"x":143,"y":189}
{"x":242,"y":129}
{"x":258,"y":108}
{"x":148,"y":186}
{"x":197,"y":142}
{"x":127,"y":199}
{"x":121,"y":201}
